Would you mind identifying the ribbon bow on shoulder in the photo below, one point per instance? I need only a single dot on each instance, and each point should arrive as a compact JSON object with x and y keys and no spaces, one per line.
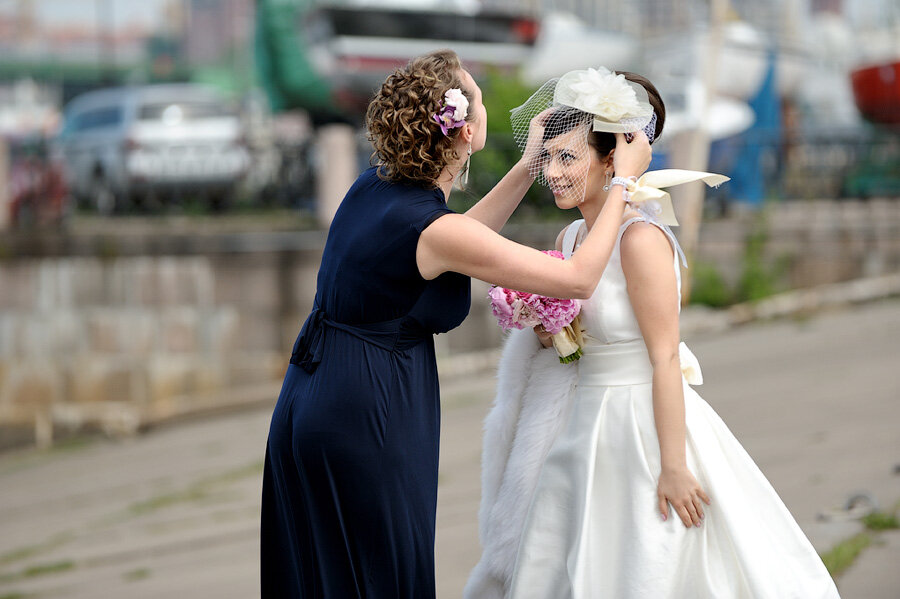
{"x":647,"y":195}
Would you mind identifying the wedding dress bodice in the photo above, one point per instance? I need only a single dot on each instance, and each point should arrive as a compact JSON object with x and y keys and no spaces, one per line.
{"x":607,"y":316}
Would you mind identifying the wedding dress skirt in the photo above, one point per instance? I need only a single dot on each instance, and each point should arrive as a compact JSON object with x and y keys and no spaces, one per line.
{"x":594,"y":529}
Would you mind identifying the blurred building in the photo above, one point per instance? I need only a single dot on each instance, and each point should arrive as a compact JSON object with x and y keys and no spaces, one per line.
{"x":214,"y":29}
{"x":25,"y":38}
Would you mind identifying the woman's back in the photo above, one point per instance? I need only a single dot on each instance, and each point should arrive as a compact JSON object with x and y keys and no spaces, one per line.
{"x":368,"y":272}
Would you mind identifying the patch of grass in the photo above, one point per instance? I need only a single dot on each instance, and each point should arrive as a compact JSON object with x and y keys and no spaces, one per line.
{"x":50,"y":568}
{"x":135,"y":575}
{"x":841,"y":556}
{"x":760,"y":277}
{"x":238,"y":473}
{"x":73,"y":443}
{"x":709,"y":287}
{"x":13,"y":595}
{"x":31,"y":550}
{"x":881,"y":521}
{"x":34,"y":456}
{"x":198,"y":491}
{"x":193,"y":493}
{"x":39,"y":570}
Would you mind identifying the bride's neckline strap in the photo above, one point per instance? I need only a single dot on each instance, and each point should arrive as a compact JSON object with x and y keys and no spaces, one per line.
{"x":571,"y":237}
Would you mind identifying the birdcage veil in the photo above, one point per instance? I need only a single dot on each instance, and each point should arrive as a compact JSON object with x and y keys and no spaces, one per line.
{"x":561,"y":114}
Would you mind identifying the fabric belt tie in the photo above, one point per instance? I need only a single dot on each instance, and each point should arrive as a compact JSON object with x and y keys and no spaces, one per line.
{"x":628,"y":363}
{"x":310,"y":345}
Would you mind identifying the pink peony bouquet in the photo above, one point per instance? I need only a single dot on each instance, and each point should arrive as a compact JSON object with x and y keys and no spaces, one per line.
{"x":518,"y":309}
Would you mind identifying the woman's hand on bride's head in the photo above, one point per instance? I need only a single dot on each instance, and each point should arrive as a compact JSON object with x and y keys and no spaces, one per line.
{"x":631,"y":159}
{"x":534,"y":146}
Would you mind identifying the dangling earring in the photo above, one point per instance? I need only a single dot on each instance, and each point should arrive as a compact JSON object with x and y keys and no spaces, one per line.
{"x":465,"y":177}
{"x":606,"y":187}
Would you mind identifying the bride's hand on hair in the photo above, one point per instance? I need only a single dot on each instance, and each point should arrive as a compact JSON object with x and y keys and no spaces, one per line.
{"x":631,"y":159}
{"x":534,"y":146}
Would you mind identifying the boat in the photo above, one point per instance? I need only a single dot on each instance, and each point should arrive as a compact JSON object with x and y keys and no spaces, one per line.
{"x":876,"y":90}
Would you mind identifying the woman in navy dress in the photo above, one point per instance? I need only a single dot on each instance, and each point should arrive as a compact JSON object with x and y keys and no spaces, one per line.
{"x":350,"y":480}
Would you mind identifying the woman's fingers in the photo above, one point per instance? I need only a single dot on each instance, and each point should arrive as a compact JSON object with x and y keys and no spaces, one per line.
{"x":704,"y":497}
{"x":541,"y":117}
{"x":663,"y":507}
{"x":685,"y":515}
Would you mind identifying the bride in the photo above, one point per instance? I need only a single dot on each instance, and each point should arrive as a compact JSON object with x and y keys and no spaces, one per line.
{"x":611,"y":477}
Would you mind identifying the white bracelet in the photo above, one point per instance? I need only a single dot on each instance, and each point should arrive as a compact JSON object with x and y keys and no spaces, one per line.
{"x":622,"y":181}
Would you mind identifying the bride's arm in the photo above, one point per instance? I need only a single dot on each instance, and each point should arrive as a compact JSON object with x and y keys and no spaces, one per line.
{"x":495,"y":208}
{"x":647,"y":259}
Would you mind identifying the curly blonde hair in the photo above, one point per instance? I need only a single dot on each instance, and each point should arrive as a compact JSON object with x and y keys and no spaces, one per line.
{"x":409,"y":145}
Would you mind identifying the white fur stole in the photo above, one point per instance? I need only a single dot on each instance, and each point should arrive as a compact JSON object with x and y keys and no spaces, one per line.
{"x":534,"y":393}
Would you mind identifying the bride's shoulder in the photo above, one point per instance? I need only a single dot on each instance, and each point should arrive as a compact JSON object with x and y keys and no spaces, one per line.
{"x":644,"y":239}
{"x":630,"y":214}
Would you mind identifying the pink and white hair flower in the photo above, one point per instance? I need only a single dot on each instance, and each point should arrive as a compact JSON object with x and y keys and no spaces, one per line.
{"x":453,"y":111}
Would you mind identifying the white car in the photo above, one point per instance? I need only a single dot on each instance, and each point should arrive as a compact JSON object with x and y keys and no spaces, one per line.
{"x":129,"y":144}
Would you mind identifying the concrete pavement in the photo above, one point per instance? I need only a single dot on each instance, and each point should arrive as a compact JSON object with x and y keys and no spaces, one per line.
{"x":174,"y":512}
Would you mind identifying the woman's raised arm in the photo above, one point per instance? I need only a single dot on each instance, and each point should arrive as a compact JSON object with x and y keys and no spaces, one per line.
{"x":458,"y":243}
{"x":495,"y":208}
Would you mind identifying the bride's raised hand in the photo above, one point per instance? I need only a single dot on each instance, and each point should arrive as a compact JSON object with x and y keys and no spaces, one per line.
{"x":680,"y":488}
{"x":631,"y":159}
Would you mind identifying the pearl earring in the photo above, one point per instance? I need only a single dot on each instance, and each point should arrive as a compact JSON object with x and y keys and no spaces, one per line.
{"x":606,"y":187}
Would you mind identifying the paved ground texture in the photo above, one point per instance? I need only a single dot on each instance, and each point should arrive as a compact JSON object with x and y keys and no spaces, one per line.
{"x":173,"y":513}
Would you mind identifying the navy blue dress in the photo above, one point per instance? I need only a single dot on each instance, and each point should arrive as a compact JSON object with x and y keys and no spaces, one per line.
{"x":350,"y":481}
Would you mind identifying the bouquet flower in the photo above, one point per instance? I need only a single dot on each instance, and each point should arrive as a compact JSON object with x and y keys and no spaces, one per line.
{"x":518,"y":309}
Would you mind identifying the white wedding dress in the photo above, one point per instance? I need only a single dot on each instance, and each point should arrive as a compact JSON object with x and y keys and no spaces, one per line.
{"x":593,"y":529}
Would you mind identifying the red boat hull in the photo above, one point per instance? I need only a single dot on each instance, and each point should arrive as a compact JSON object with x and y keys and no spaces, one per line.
{"x":877,"y":92}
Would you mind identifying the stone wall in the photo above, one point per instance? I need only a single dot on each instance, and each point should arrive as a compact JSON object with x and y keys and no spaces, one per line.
{"x":118,"y":341}
{"x":821,"y":242}
{"x":118,"y":331}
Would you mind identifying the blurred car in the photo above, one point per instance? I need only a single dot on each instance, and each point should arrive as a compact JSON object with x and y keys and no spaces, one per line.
{"x":127,"y":145}
{"x":38,"y":194}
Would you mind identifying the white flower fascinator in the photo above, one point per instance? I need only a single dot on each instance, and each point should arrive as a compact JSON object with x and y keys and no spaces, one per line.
{"x":617,"y":104}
